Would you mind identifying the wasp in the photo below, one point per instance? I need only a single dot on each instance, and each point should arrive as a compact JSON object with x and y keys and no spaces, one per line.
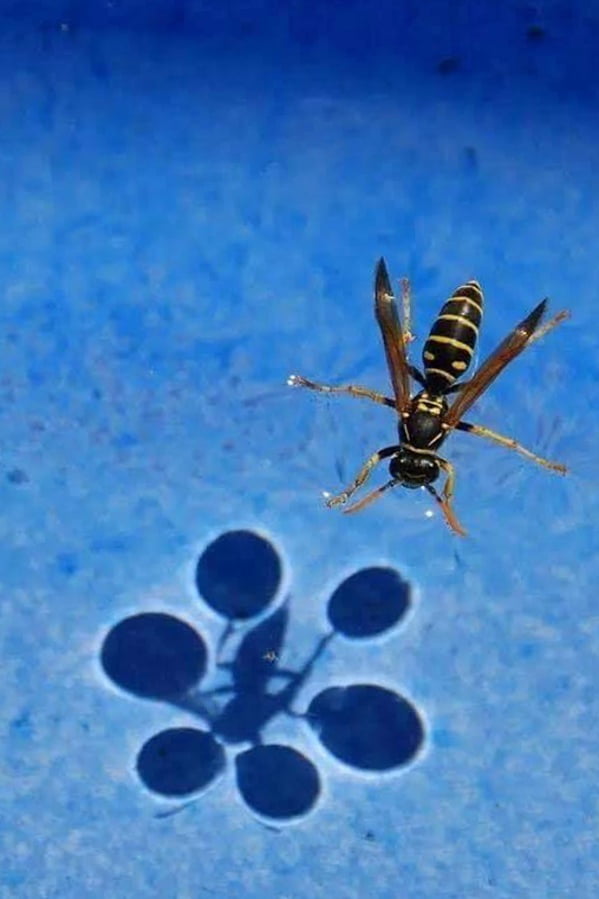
{"x":426,"y":419}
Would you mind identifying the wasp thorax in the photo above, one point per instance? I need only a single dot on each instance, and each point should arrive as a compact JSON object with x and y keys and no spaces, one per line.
{"x":413,"y":469}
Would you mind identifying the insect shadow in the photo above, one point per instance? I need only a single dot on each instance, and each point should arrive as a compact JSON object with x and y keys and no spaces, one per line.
{"x":159,"y":657}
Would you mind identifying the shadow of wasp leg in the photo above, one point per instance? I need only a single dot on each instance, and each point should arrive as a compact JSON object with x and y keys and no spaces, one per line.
{"x":351,"y":389}
{"x":362,"y":475}
{"x":445,"y":499}
{"x":510,"y":443}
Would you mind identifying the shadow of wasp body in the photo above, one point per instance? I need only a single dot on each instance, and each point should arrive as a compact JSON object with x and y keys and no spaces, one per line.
{"x":427,"y":419}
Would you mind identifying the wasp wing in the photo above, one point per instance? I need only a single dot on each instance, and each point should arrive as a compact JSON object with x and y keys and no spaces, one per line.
{"x":393,"y":337}
{"x":507,"y":350}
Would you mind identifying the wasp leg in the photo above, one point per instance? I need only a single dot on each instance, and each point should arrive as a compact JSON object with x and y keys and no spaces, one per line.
{"x":455,"y":387}
{"x":445,"y":499}
{"x":417,"y":375}
{"x":510,"y":443}
{"x":548,"y":326}
{"x":352,"y":389}
{"x":362,"y":475}
{"x":370,"y":497}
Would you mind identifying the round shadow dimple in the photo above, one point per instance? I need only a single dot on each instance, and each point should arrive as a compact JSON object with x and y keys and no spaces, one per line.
{"x":366,"y":726}
{"x":369,"y":602}
{"x":180,"y":761}
{"x":277,"y":781}
{"x":238,"y":575}
{"x":154,"y":655}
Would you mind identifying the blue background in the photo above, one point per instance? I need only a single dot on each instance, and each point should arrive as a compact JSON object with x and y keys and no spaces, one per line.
{"x":192,"y":200}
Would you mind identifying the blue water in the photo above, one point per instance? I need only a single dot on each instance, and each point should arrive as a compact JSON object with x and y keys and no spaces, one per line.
{"x":212,"y":684}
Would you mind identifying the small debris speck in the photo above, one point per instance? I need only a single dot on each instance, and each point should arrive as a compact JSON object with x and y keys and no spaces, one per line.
{"x":448,"y":65}
{"x":535,"y":33}
{"x":17,"y":476}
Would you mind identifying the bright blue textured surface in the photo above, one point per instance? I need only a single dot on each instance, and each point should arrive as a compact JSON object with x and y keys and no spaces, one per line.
{"x":192,"y":200}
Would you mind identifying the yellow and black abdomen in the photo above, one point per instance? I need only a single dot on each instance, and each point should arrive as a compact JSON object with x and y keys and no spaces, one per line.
{"x":449,"y":348}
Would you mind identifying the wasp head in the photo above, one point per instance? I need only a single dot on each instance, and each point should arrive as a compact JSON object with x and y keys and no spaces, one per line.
{"x":413,"y":469}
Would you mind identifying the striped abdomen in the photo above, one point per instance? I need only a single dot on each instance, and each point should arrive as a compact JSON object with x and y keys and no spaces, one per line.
{"x":450,"y":346}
